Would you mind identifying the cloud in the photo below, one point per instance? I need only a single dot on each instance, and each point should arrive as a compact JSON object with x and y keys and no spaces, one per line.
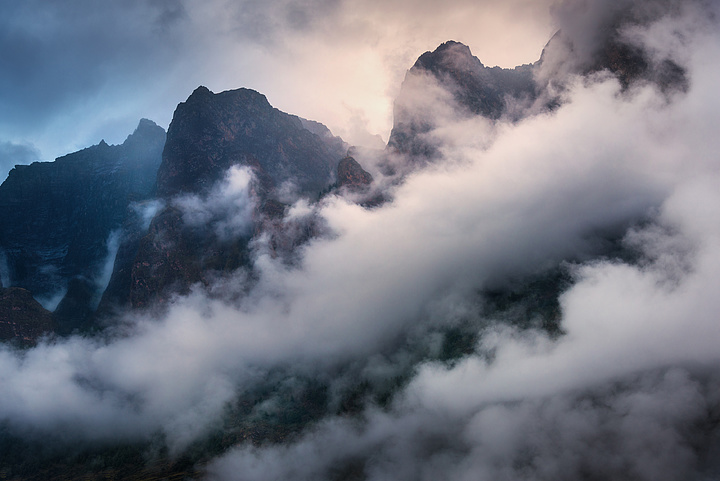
{"x":228,"y":208}
{"x":637,"y":430}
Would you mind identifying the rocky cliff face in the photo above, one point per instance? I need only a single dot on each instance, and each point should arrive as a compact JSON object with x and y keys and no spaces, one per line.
{"x":230,"y":159}
{"x":629,"y":63}
{"x":22,"y":318}
{"x":58,"y":217}
{"x":451,"y":81}
{"x":351,"y":175}
{"x":211,"y":132}
{"x":450,"y":84}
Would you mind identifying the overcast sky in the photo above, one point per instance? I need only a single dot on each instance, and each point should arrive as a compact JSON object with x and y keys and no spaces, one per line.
{"x":78,"y":71}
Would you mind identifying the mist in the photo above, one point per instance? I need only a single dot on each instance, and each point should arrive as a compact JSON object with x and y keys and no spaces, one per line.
{"x":629,"y":389}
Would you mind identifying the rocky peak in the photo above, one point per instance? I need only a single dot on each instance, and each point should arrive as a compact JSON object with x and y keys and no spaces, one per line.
{"x":147,"y":130}
{"x":211,"y":132}
{"x":350,"y":174}
{"x":606,"y":48}
{"x":449,"y":56}
{"x":452,"y":71}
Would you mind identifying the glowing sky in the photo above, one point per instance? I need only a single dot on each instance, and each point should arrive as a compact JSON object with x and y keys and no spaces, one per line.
{"x":75,"y":72}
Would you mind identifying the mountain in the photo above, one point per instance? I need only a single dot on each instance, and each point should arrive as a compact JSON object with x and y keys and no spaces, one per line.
{"x":351,"y":175}
{"x":450,"y":84}
{"x":280,"y":156}
{"x":568,"y":54}
{"x":126,"y":228}
{"x":211,"y":132}
{"x":452,"y":75}
{"x":59,"y":218}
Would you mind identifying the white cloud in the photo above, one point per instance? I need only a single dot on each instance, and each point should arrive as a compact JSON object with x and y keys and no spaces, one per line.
{"x":227,"y":209}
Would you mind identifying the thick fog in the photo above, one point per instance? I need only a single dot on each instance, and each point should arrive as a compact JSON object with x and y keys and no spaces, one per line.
{"x":629,"y":390}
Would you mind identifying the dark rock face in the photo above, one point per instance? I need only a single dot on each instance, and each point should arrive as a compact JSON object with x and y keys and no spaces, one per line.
{"x":117,"y":294}
{"x":58,"y":216}
{"x":350,"y":174}
{"x":170,"y":258}
{"x":450,"y":81}
{"x":22,"y":318}
{"x":75,"y":311}
{"x":474,"y":89}
{"x":479,"y":89}
{"x":628,"y":62}
{"x":211,"y":132}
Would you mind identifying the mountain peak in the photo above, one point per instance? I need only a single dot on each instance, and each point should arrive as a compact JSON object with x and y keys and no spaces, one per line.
{"x":146,"y":130}
{"x":450,"y":55}
{"x":145,"y":124}
{"x":201,"y":91}
{"x":241,"y":127}
{"x":475,"y":88}
{"x":350,"y":174}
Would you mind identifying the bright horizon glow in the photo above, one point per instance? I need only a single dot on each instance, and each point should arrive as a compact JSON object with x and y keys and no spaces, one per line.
{"x":78,"y":80}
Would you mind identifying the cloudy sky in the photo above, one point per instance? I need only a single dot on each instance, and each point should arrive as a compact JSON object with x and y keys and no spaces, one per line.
{"x":75,"y":72}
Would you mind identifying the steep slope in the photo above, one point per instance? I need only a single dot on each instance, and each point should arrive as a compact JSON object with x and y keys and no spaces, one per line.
{"x":450,"y":84}
{"x":210,"y":133}
{"x":351,"y":175}
{"x":22,"y":318}
{"x":450,"y":81}
{"x":230,"y":161}
{"x":58,"y":217}
{"x":610,"y":49}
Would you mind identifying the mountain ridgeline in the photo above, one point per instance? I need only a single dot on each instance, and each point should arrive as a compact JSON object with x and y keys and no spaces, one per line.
{"x":109,"y":230}
{"x":451,"y":75}
{"x":210,"y":134}
{"x":128,"y":226}
{"x":113,"y":229}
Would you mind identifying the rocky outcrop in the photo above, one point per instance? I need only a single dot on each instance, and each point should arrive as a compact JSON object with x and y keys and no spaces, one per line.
{"x":352,"y":176}
{"x":59,"y":216}
{"x":629,"y":62}
{"x":22,"y":318}
{"x":450,"y":84}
